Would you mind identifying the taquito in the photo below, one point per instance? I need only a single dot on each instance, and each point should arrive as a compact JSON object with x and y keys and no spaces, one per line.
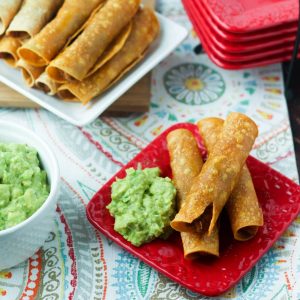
{"x":44,"y":46}
{"x":215,"y":183}
{"x":75,"y":62}
{"x":8,"y":9}
{"x":29,"y":72}
{"x":32,"y":17}
{"x":46,"y":84}
{"x":112,"y":49}
{"x":186,"y":164}
{"x":145,"y":28}
{"x":8,"y":49}
{"x":243,"y":208}
{"x":74,"y":36}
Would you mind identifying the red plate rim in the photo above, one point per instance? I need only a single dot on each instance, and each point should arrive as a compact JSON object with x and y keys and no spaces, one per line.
{"x":241,"y":49}
{"x":234,"y":17}
{"x":259,"y":35}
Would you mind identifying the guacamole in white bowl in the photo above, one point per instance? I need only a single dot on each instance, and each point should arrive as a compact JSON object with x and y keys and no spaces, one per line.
{"x":22,"y":240}
{"x":23,"y":184}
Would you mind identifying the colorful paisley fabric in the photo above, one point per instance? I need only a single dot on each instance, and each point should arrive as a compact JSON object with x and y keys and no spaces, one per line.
{"x":76,"y":261}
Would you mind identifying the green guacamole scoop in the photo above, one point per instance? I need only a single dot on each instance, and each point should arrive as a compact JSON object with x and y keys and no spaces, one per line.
{"x":143,"y":204}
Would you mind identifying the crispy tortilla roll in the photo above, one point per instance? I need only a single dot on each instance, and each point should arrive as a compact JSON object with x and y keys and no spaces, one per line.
{"x":8,"y":49}
{"x":242,"y":207}
{"x":112,"y":49}
{"x":76,"y":34}
{"x":145,"y":29}
{"x":186,"y":164}
{"x":8,"y":9}
{"x":197,"y":244}
{"x":41,"y":49}
{"x":215,"y":183}
{"x":29,"y":72}
{"x":46,"y":84}
{"x":75,"y":62}
{"x":32,"y":17}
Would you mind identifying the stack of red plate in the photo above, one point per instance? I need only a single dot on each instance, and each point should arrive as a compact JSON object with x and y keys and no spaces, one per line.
{"x":240,"y":34}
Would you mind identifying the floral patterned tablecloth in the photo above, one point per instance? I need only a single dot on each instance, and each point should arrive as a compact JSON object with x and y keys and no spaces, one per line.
{"x":78,"y":262}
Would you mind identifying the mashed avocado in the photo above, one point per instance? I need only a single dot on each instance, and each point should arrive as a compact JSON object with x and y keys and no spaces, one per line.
{"x":143,"y":205}
{"x":23,"y":185}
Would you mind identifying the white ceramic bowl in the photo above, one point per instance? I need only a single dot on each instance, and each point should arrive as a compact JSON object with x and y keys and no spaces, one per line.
{"x":21,"y":241}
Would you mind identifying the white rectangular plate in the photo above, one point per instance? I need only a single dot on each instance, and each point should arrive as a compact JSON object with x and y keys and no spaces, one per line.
{"x":171,"y":35}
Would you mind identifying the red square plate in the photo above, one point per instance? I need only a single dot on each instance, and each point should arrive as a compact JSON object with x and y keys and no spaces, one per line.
{"x":289,"y":29}
{"x":243,"y":50}
{"x":280,"y":201}
{"x":224,"y":51}
{"x":243,"y":16}
{"x":219,"y":57}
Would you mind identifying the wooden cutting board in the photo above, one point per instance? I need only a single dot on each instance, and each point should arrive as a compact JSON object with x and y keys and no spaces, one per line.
{"x":137,"y":99}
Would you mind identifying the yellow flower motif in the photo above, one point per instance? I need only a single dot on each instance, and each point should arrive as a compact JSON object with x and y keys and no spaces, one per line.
{"x":194,"y":84}
{"x":5,"y":274}
{"x":2,"y":292}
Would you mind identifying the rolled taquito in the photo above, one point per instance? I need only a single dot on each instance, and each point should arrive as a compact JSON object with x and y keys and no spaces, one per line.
{"x":145,"y":28}
{"x":43,"y":47}
{"x":29,"y":72}
{"x":218,"y":177}
{"x":32,"y":17}
{"x":8,"y":49}
{"x":75,"y":62}
{"x":186,"y":164}
{"x":115,"y":47}
{"x":243,"y":207}
{"x":46,"y":84}
{"x":8,"y":9}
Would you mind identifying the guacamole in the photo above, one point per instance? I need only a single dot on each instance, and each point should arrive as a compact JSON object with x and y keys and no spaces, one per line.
{"x":143,"y":204}
{"x":23,"y":185}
